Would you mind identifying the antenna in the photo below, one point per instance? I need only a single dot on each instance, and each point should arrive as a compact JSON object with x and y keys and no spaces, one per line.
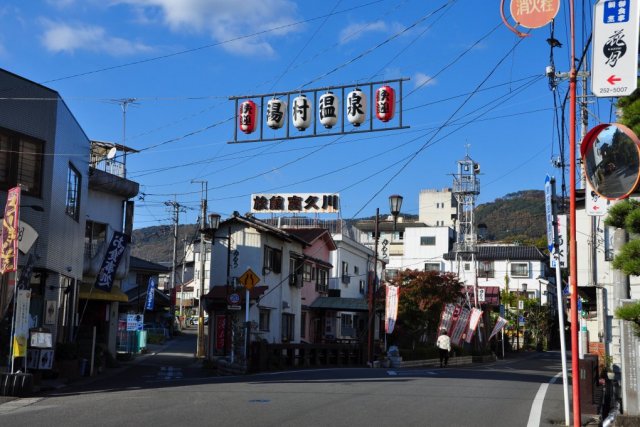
{"x":112,"y":153}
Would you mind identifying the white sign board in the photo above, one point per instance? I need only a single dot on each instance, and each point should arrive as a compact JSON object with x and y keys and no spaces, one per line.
{"x":615,"y":48}
{"x":596,"y":205}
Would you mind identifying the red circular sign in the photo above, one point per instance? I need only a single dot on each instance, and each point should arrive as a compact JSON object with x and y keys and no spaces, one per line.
{"x":534,"y":13}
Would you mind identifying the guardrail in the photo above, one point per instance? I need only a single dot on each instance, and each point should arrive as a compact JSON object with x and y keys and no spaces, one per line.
{"x":266,"y":357}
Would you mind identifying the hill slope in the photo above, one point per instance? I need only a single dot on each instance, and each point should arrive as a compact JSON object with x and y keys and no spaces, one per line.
{"x":516,"y":216}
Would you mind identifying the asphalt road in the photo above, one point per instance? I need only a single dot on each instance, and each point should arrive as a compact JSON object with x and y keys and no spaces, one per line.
{"x":170,"y":389}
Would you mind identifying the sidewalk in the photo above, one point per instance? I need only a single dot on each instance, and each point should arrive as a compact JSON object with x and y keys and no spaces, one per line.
{"x":58,"y":383}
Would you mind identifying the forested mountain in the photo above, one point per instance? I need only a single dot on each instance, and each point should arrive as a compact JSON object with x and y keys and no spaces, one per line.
{"x":515,"y":217}
{"x":156,"y":243}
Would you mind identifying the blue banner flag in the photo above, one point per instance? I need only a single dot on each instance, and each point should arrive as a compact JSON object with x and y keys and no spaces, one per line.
{"x":116,"y":248}
{"x":151,"y":292}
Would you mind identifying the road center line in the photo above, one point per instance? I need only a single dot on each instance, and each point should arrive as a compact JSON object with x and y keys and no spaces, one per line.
{"x":536,"y":407}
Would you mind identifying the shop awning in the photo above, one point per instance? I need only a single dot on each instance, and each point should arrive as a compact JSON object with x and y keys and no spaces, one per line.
{"x":92,"y":293}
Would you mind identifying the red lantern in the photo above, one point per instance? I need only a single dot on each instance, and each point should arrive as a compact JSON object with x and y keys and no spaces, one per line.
{"x":385,"y":103}
{"x":247,"y":116}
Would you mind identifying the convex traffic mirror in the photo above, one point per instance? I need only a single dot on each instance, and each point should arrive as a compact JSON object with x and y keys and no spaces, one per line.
{"x":611,"y":158}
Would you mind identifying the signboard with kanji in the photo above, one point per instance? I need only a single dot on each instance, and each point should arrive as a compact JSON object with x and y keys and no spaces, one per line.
{"x":614,"y":66}
{"x":295,"y":203}
{"x":534,"y":13}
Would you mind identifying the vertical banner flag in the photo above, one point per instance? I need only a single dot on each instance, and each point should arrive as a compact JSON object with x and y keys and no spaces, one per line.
{"x":499,"y":325}
{"x":460,"y":326}
{"x":10,"y":226}
{"x":151,"y":292}
{"x":446,"y":318}
{"x":473,"y":323}
{"x":107,"y":271}
{"x":21,"y":325}
{"x":391,"y":308}
{"x":26,"y":272}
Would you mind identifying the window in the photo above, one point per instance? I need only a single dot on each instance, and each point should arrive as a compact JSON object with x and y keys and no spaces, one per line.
{"x":356,"y":270}
{"x":264,"y":319}
{"x":345,"y":273}
{"x":427,"y":240}
{"x":362,"y":288}
{"x":432,"y":266}
{"x":295,"y":271}
{"x":346,"y":325}
{"x":95,"y":235}
{"x":73,"y":193}
{"x":520,"y":269}
{"x":21,"y":162}
{"x":272,"y":259}
{"x":322,"y":283}
{"x":303,"y":324}
{"x":287,"y":327}
{"x":467,"y":266}
{"x":487,"y":270}
{"x":308,"y":269}
{"x":345,"y":268}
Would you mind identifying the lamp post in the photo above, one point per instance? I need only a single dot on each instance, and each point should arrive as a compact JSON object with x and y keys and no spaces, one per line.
{"x":395,"y":204}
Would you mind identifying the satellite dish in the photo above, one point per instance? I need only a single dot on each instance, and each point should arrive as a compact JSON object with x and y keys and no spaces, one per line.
{"x":112,"y":153}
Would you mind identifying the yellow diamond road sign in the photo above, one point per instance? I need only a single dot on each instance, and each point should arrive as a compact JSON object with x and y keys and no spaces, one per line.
{"x":249,"y":279}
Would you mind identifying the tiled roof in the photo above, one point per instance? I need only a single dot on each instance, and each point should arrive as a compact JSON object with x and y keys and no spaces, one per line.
{"x":139,"y":264}
{"x":495,"y":253}
{"x":310,"y":235}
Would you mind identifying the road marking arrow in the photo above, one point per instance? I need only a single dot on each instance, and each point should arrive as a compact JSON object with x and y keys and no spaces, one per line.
{"x":613,"y":79}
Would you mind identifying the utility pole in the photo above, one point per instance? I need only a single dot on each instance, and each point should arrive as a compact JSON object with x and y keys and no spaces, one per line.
{"x":203,"y":225}
{"x":184,"y":258}
{"x":177,"y":207}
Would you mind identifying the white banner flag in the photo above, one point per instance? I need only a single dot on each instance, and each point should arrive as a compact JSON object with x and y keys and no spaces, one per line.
{"x":391,"y":308}
{"x":473,"y":323}
{"x":499,"y":325}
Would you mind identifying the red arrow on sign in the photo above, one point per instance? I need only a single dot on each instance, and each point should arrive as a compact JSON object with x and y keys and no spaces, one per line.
{"x":613,"y":79}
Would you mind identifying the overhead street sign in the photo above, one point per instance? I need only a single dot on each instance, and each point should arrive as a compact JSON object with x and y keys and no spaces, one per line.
{"x":615,"y":48}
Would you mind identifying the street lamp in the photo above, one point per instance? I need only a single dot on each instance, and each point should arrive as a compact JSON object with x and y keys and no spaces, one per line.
{"x":395,"y":204}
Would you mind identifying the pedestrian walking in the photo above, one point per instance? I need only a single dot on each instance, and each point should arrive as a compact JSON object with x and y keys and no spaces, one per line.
{"x":444,"y":347}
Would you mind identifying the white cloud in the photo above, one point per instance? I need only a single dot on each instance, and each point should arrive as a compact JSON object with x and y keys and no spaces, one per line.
{"x":421,"y":80}
{"x":224,"y":20}
{"x":356,"y":30}
{"x":67,"y":38}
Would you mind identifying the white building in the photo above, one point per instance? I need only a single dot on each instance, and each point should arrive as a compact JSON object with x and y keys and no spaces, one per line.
{"x":437,"y":208}
{"x":243,"y":243}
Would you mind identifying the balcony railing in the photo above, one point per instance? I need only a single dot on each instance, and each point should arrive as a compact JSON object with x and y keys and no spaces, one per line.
{"x":114,"y":167}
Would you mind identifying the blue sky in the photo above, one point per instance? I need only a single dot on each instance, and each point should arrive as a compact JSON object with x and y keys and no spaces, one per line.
{"x":472,"y":82}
